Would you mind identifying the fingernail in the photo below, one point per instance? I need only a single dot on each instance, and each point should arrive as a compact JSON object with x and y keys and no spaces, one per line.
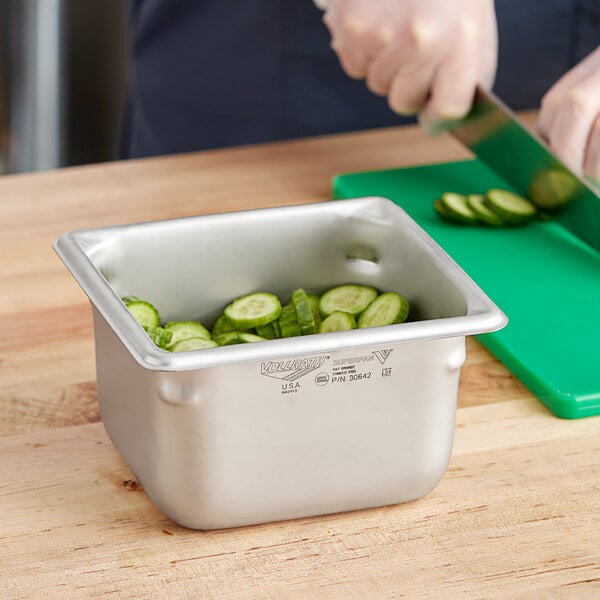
{"x":404,"y":111}
{"x":451,"y":112}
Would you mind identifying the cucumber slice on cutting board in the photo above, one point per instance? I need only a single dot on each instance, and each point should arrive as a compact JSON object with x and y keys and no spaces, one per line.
{"x":442,"y":211}
{"x":511,"y":207}
{"x":457,"y":208}
{"x":552,"y":188}
{"x":497,"y":207}
{"x":476,"y":203}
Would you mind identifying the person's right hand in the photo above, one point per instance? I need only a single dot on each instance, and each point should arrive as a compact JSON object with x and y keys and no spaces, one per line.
{"x":426,"y":56}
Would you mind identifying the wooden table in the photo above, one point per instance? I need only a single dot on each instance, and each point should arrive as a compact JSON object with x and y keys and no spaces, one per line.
{"x":516,"y":516}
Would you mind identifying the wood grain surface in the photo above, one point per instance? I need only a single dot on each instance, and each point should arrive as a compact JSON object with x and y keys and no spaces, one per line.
{"x":516,"y":516}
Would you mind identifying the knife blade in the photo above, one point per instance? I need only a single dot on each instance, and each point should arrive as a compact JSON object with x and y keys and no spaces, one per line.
{"x":500,"y":140}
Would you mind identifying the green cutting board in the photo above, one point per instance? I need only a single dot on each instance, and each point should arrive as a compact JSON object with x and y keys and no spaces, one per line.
{"x":545,"y":279}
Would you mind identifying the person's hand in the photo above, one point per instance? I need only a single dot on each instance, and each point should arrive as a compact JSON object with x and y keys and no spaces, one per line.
{"x":426,"y":56}
{"x":570,"y":117}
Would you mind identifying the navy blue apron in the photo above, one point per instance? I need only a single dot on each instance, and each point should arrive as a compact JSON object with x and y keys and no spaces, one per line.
{"x":207,"y":74}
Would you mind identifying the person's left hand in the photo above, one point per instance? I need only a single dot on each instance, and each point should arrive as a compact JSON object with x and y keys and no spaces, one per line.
{"x":570,"y":117}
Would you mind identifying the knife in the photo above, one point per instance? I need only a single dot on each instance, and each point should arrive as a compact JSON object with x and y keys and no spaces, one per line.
{"x":500,"y":140}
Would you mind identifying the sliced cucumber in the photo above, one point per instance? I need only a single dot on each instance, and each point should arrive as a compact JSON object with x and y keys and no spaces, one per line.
{"x":337,"y":321}
{"x":304,"y":313}
{"x":159,"y":336}
{"x":259,"y":317}
{"x":511,"y":207}
{"x":276,"y":328}
{"x":442,"y":211}
{"x":228,"y":338}
{"x":182,"y":330}
{"x":144,"y":313}
{"x":288,"y":322}
{"x":387,"y":309}
{"x":497,"y":207}
{"x":223,"y":325}
{"x":314,"y":304}
{"x":267,"y":331}
{"x":477,"y":204}
{"x":456,"y":206}
{"x":250,"y":338}
{"x":350,"y":298}
{"x":252,"y":310}
{"x":553,"y":188}
{"x":196,"y":343}
{"x":238,"y":337}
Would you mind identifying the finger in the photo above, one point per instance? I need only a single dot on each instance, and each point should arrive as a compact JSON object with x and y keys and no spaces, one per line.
{"x":489,"y":58}
{"x":591,"y":165}
{"x":384,"y":67}
{"x":332,"y":17}
{"x":410,"y":87}
{"x":573,"y":122}
{"x":456,"y":78}
{"x":547,"y":116}
{"x":356,"y":42}
{"x":575,"y":76}
{"x":345,"y":36}
{"x":554,"y":97}
{"x":375,"y":39}
{"x":352,"y":59}
{"x":417,"y":42}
